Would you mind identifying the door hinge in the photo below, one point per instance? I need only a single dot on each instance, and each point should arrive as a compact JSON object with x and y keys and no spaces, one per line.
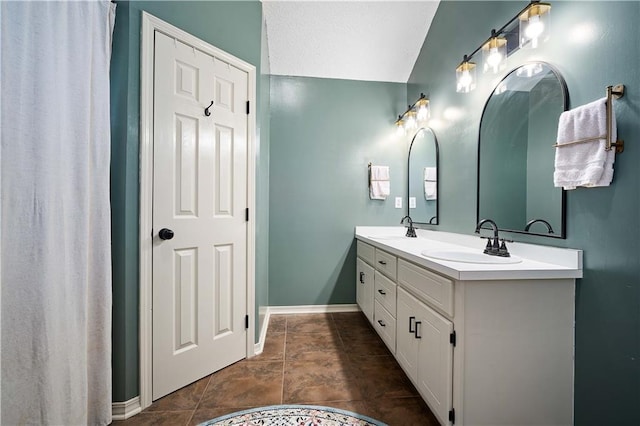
{"x":246,"y":214}
{"x":248,"y":107}
{"x":452,"y":416}
{"x":452,"y":338}
{"x":246,"y":322}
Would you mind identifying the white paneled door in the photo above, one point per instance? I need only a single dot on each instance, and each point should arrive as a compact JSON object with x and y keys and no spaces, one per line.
{"x":199,"y":223}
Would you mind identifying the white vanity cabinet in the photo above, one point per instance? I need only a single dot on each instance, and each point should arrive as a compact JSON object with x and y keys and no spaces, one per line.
{"x":364,"y":278}
{"x":484,"y":345}
{"x":425,"y":352}
{"x":364,"y":289}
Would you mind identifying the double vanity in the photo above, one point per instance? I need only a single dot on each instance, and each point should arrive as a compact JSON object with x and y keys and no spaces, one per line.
{"x":486,"y":340}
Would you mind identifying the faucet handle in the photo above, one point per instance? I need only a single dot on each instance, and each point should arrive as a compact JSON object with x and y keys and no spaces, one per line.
{"x":502,"y":250}
{"x":489,"y":248}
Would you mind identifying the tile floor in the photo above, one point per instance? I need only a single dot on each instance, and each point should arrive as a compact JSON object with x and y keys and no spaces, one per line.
{"x":335,"y":360}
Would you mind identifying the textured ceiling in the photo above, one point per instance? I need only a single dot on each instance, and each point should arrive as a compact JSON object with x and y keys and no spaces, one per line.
{"x":353,"y":40}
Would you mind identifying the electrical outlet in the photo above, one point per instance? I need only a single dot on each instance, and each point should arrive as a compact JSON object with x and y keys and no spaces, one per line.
{"x":412,"y":202}
{"x":398,"y":202}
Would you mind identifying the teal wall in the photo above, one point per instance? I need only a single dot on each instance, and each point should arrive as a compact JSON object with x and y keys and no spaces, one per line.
{"x":323,"y":134}
{"x":593,"y":44}
{"x":235,"y":27}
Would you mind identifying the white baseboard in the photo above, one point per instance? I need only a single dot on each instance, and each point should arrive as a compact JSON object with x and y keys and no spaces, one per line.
{"x":313,"y":309}
{"x":301,"y":309}
{"x":259,"y":347}
{"x":124,"y":410}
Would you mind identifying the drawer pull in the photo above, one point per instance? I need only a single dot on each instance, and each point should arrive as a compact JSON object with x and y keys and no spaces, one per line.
{"x":416,"y":331}
{"x":362,"y":277}
{"x":382,"y":262}
{"x":382,"y":292}
{"x":382,"y":323}
{"x":411,"y":319}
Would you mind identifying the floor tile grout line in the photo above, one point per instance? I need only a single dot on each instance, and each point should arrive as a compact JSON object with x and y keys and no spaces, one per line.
{"x":193,"y":413}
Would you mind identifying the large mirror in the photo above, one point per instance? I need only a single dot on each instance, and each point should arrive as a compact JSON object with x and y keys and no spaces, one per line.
{"x":515,"y":155}
{"x":422,"y":177}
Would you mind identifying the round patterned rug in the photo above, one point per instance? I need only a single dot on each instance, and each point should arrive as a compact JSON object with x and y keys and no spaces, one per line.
{"x":293,"y":415}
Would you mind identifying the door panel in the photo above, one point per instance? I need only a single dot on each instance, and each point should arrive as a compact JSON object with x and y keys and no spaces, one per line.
{"x":200,"y":192}
{"x":435,"y":361}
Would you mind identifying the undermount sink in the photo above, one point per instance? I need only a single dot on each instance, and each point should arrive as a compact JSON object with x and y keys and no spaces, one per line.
{"x":469,"y":257}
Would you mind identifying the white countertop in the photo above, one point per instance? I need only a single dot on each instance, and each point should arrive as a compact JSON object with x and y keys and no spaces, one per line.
{"x":538,"y":262}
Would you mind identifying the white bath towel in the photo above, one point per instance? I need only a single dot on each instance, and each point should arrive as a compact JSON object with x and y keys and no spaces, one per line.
{"x":379,"y":184}
{"x":431,"y":174}
{"x":584,"y":164}
{"x":430,"y":183}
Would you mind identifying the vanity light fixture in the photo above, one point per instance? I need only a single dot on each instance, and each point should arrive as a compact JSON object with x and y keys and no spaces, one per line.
{"x":534,"y":24}
{"x":494,"y":53}
{"x":424,"y":112}
{"x":465,"y":76}
{"x":416,"y":114}
{"x":532,"y":28}
{"x":400,"y":130}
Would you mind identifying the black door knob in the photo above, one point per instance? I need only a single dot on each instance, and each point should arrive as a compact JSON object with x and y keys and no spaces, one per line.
{"x":165,"y":234}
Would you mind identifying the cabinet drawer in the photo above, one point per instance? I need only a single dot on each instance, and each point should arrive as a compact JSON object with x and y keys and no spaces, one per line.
{"x":366,"y":252}
{"x":434,"y":289}
{"x":386,"y":263}
{"x":385,"y":325}
{"x":385,"y":293}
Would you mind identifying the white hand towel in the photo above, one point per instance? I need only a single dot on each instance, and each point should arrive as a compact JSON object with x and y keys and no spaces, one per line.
{"x":430,"y":183}
{"x":379,"y":172}
{"x":379,"y":189}
{"x":431,"y":174}
{"x":584,"y":164}
{"x":430,"y":190}
{"x":379,"y":185}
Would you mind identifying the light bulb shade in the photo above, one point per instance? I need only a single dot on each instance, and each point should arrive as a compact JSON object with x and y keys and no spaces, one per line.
{"x":411,"y":122}
{"x":534,"y":25}
{"x":465,"y":77}
{"x":424,"y":112}
{"x":494,"y":55}
{"x":400,"y":131}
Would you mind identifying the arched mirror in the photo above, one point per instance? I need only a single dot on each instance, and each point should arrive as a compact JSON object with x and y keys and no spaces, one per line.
{"x":515,"y":155}
{"x":422,"y":177}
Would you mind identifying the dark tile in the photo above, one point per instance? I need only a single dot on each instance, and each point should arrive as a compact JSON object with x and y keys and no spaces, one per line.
{"x":312,"y":342}
{"x":273,"y":348}
{"x":310,"y":323}
{"x":382,"y":377}
{"x":277,"y":324}
{"x":318,"y":357}
{"x":402,"y":412}
{"x":351,"y":321}
{"x":245,"y":384}
{"x":186,"y":398}
{"x":157,"y":418}
{"x":364,"y":343}
{"x":314,"y":382}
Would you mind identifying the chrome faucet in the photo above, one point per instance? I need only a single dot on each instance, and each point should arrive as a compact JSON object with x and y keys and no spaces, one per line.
{"x":531,"y":222}
{"x":411,"y":231}
{"x":495,"y":248}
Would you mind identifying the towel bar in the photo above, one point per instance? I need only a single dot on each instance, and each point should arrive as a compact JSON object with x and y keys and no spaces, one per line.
{"x":617,"y":92}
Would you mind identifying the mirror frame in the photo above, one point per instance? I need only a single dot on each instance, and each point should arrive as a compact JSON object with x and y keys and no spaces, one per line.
{"x":435,"y":141}
{"x":565,"y":97}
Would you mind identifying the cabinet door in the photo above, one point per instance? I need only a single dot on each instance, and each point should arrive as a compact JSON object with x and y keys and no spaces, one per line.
{"x":435,"y":361}
{"x":407,"y":344}
{"x":364,"y":288}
